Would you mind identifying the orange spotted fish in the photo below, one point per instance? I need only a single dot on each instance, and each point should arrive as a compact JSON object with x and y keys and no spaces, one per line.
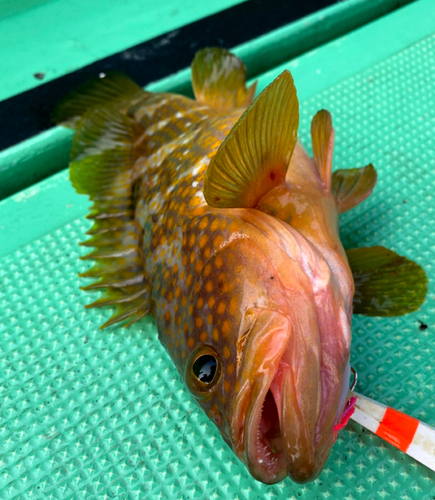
{"x":210,"y":215}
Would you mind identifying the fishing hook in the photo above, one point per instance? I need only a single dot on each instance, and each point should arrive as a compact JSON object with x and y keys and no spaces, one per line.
{"x":355,"y":379}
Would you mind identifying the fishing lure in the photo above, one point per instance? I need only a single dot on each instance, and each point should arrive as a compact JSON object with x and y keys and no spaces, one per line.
{"x":413,"y":437}
{"x":211,"y":216}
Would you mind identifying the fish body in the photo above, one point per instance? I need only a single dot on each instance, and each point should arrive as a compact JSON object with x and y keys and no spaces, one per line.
{"x":216,"y":221}
{"x":216,"y":274}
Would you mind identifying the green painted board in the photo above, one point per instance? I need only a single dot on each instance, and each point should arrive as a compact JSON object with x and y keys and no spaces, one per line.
{"x":30,"y":161}
{"x":86,"y":414}
{"x":56,"y":37}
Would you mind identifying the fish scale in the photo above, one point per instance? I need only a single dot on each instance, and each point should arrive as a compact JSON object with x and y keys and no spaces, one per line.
{"x":213,"y":218}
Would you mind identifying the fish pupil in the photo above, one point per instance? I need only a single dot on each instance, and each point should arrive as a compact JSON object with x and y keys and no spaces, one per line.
{"x":204,"y":368}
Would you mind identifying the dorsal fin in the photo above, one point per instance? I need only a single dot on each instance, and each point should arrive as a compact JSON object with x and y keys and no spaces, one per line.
{"x":352,"y":186}
{"x":113,"y":90}
{"x":386,"y":284}
{"x":255,"y":155}
{"x":219,"y":80}
{"x":322,"y":137}
{"x":104,"y":150}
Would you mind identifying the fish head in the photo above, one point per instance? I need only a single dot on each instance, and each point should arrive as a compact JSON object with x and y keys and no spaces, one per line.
{"x":271,"y":367}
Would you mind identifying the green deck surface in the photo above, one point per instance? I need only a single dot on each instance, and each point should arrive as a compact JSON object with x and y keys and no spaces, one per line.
{"x":86,"y":414}
{"x":31,"y":161}
{"x":56,"y":37}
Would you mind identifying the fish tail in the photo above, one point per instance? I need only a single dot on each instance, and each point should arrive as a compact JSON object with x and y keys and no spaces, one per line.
{"x":103,"y":154}
{"x":114,"y":90}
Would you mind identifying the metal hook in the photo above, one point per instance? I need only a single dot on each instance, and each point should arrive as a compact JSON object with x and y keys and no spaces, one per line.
{"x":355,"y":379}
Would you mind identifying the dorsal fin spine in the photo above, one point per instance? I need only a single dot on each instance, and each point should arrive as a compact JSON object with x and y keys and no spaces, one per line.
{"x":104,"y":152}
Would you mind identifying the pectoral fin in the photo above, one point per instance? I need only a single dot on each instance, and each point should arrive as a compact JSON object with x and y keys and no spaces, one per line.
{"x":386,"y":284}
{"x":322,"y":137}
{"x":352,"y":186}
{"x":219,"y":80}
{"x":255,"y":155}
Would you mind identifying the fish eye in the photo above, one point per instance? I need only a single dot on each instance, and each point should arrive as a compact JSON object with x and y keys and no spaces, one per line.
{"x":203,"y":371}
{"x":204,"y":368}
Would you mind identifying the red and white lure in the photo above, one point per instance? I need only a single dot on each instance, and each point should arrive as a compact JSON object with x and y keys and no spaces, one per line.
{"x":406,"y":433}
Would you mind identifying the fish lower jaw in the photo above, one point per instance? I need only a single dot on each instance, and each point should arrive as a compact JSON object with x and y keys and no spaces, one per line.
{"x":265,"y":440}
{"x":264,"y":453}
{"x":264,"y":435}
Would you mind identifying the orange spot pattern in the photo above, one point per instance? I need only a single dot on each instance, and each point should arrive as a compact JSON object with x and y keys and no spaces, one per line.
{"x":183,"y":238}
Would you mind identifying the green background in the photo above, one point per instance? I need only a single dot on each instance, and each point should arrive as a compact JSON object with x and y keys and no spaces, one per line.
{"x":46,"y":37}
{"x":92,"y":414}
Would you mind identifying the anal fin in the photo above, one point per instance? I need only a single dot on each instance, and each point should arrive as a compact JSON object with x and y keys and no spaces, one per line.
{"x":219,"y":80}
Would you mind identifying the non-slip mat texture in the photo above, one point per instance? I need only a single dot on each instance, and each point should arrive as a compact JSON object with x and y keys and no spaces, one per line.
{"x":90,"y":414}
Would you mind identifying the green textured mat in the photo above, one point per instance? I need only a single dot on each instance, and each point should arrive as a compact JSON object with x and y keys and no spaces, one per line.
{"x":88,"y":414}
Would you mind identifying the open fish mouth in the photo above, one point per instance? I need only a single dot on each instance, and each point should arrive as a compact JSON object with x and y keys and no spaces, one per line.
{"x":270,"y":446}
{"x":277,"y":441}
{"x":264,"y":441}
{"x":277,"y":444}
{"x":277,"y":427}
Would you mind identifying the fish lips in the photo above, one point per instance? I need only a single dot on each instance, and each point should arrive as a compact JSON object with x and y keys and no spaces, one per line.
{"x":277,"y":407}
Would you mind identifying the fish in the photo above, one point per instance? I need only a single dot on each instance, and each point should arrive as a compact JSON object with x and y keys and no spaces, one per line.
{"x":209,"y":214}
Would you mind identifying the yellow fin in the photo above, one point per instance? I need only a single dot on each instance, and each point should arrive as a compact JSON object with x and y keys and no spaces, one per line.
{"x":101,"y":130}
{"x":255,"y":155}
{"x":219,"y":80}
{"x":114,"y":90}
{"x":386,"y":284}
{"x":352,"y":186}
{"x":322,"y":137}
{"x":104,"y":151}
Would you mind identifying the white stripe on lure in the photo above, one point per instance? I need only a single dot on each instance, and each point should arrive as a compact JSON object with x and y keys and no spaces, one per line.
{"x":406,"y":433}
